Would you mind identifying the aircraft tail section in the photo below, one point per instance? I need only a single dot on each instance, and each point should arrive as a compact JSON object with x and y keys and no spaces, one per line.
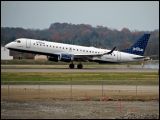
{"x":139,"y":47}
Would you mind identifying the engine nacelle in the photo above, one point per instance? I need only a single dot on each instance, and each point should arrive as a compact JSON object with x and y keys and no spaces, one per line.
{"x":66,"y":57}
{"x":53,"y":58}
{"x":61,"y":57}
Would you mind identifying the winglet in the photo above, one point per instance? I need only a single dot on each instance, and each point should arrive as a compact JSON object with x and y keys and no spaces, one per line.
{"x":110,"y":52}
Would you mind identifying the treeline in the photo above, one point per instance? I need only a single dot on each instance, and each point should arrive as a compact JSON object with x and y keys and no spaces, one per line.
{"x":84,"y":34}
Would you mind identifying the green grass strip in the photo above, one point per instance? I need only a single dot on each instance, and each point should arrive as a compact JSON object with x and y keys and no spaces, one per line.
{"x":143,"y":78}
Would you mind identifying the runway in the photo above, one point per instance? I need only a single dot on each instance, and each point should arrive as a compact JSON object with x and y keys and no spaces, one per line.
{"x":87,"y":68}
{"x":79,"y":70}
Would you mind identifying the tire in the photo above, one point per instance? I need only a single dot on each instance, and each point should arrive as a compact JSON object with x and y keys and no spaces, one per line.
{"x":71,"y":66}
{"x":80,"y":66}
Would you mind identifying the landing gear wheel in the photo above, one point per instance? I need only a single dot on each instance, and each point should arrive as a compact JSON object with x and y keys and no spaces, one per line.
{"x":71,"y":66}
{"x":80,"y":66}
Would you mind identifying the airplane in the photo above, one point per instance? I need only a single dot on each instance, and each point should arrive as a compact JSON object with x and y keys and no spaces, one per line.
{"x":70,"y":53}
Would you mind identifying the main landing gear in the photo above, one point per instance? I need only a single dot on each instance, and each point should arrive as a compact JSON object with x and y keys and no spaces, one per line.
{"x":79,"y":66}
{"x":71,"y":66}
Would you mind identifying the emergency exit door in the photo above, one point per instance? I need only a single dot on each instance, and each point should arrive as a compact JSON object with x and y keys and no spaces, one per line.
{"x":28,"y":43}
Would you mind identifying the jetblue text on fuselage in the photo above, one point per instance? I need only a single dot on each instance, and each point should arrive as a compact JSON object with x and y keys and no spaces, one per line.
{"x":39,"y":42}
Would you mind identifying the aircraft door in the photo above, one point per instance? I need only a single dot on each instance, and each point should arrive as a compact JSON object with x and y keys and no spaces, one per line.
{"x":118,"y":56}
{"x":28,"y":43}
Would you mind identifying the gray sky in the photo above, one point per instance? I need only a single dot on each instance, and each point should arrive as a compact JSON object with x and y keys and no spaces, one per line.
{"x":135,"y":15}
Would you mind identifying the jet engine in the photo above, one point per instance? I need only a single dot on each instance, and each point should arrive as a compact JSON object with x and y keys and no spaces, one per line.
{"x":61,"y":57}
{"x":66,"y":57}
{"x":53,"y":58}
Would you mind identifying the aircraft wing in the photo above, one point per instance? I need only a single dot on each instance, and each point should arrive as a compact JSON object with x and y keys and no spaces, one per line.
{"x":97,"y":55}
{"x":81,"y":56}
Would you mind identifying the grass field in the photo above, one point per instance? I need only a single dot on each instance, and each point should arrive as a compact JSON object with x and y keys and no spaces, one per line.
{"x":81,"y":78}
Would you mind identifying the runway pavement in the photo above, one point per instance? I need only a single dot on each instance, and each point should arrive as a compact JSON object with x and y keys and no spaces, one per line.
{"x":79,"y":70}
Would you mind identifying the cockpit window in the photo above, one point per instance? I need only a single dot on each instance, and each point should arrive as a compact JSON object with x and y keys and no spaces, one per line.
{"x":18,"y":41}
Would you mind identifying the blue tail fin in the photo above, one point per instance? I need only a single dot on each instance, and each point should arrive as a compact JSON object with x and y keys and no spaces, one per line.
{"x":139,"y":47}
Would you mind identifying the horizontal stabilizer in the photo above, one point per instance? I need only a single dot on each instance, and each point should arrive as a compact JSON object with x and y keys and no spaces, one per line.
{"x":139,"y":57}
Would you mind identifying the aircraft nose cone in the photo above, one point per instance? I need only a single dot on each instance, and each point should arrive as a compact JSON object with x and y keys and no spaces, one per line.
{"x":7,"y":45}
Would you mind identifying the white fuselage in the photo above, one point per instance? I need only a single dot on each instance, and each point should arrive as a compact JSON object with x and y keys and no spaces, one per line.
{"x":45,"y":47}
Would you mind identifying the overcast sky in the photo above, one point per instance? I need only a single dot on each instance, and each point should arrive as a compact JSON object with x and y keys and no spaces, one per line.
{"x":135,"y":15}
